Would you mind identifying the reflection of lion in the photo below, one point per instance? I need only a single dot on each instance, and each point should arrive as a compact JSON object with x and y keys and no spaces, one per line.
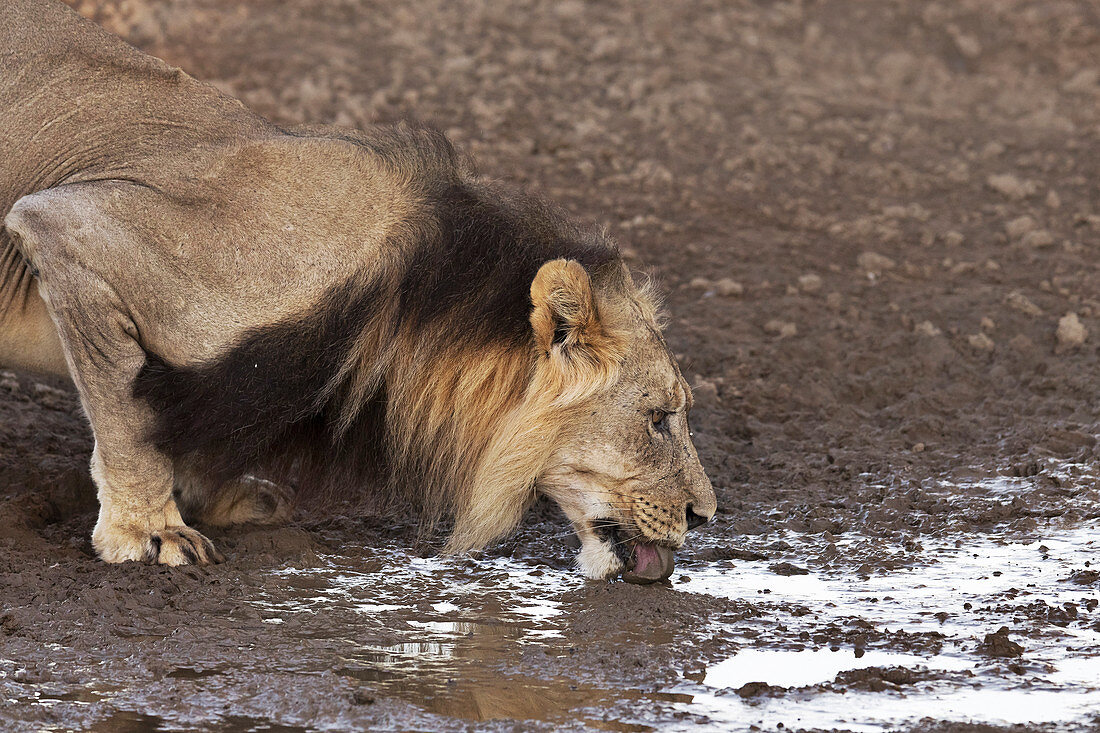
{"x":233,"y":298}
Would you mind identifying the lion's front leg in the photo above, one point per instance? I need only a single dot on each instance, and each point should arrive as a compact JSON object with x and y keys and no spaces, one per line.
{"x":138,"y":520}
{"x":138,"y":516}
{"x":86,"y":266}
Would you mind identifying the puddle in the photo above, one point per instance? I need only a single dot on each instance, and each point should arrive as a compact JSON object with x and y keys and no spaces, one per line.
{"x":963,"y":590}
{"x":941,"y":580}
{"x":467,"y":620}
{"x":504,"y":589}
{"x":877,"y":712}
{"x":453,"y":671}
{"x":810,"y":667}
{"x":491,"y":639}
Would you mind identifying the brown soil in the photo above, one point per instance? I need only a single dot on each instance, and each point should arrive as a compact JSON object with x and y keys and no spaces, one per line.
{"x":871,"y":221}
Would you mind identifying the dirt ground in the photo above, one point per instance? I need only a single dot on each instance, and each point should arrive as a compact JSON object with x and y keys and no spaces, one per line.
{"x":878,"y":228}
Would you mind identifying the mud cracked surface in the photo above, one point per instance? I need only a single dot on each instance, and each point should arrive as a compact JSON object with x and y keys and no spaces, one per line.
{"x":872,"y":221}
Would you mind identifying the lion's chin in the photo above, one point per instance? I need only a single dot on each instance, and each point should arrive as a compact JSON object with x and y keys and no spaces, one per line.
{"x":599,"y":561}
{"x":641,"y":562}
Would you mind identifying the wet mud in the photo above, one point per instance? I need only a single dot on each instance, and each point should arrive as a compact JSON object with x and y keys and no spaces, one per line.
{"x":878,"y":228}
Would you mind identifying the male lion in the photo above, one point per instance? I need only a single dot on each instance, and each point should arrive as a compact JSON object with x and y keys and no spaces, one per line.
{"x":234,"y":299}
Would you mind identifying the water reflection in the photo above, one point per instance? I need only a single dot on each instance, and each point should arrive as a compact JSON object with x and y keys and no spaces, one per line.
{"x":458,"y":671}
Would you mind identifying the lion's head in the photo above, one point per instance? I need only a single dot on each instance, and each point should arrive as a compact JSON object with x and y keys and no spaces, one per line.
{"x":624,"y":469}
{"x":604,"y":419}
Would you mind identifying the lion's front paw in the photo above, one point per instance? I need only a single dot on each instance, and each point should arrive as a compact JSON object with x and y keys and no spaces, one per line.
{"x":169,"y":546}
{"x":181,"y":546}
{"x":248,"y":500}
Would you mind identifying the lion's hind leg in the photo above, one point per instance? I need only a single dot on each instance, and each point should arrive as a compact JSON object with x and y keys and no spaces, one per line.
{"x":28,"y":337}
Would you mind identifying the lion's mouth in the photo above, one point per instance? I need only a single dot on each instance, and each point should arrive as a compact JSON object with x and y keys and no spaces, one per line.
{"x":650,"y":563}
{"x":643,"y":562}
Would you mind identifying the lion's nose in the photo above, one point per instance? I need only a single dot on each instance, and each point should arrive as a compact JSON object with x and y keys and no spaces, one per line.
{"x":693,"y":519}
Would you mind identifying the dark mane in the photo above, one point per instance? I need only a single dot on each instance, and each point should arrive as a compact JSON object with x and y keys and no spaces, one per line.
{"x":278,"y":400}
{"x":477,"y":267}
{"x":232,"y":413}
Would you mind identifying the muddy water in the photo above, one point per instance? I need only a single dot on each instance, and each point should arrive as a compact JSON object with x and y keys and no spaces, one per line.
{"x":869,"y":630}
{"x":465,"y":626}
{"x":962,"y":593}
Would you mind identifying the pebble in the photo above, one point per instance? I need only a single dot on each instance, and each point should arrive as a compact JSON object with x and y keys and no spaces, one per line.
{"x":1020,"y":226}
{"x":1071,"y":333}
{"x":988,"y":325}
{"x":968,"y":45}
{"x":728,"y":287}
{"x":927,"y":328}
{"x":993,"y":149}
{"x":699,"y":283}
{"x":705,"y":392}
{"x":1038,"y":239}
{"x":810,"y":283}
{"x":1053,"y":200}
{"x":896,"y":68}
{"x":874,"y":262}
{"x":980,"y":342}
{"x":1008,"y":185}
{"x":999,"y":645}
{"x":953,"y":238}
{"x":1021,"y":344}
{"x":1083,"y":82}
{"x":782,"y":329}
{"x":1018,"y":301}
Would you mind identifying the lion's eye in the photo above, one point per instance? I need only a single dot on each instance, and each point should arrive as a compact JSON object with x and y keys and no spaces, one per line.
{"x":659,"y":418}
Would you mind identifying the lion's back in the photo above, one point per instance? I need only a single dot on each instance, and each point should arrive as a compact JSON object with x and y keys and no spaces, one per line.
{"x":80,"y":104}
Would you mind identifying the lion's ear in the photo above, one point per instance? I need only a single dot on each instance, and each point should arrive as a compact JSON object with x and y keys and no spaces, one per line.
{"x":564,"y":312}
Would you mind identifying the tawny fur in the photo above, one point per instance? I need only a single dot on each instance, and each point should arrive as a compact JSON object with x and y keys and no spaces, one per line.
{"x":355,"y":309}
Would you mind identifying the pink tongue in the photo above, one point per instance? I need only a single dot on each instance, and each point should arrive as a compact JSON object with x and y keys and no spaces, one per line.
{"x":651,"y":564}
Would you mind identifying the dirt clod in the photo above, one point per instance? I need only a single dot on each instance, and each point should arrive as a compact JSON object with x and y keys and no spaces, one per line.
{"x":927,"y":328}
{"x":874,"y":262}
{"x":782,"y":329}
{"x":1021,"y":226}
{"x":1071,"y":333}
{"x":787,"y":569}
{"x":809,"y":283}
{"x":728,"y":287}
{"x":759,"y":689}
{"x":1020,"y":302}
{"x":998,"y":644}
{"x":1009,"y":185}
{"x":980,"y":342}
{"x":1037,"y":239}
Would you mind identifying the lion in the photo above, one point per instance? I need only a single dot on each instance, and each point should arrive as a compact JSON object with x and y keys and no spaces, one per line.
{"x":357,"y":311}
